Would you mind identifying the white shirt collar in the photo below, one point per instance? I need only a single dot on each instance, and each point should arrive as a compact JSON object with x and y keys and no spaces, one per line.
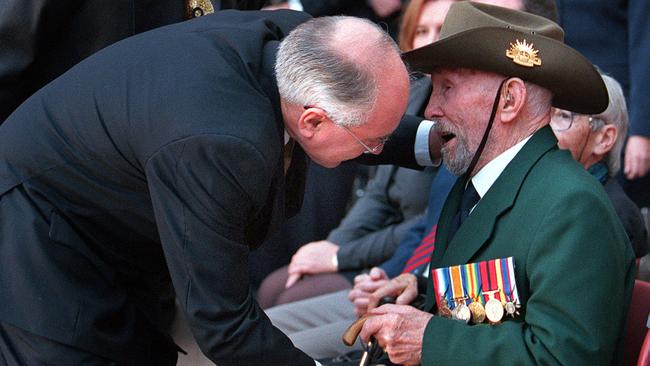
{"x":486,"y":177}
{"x":286,"y":137}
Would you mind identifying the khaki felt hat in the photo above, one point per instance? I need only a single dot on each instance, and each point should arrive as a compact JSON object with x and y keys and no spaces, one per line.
{"x":517,"y":44}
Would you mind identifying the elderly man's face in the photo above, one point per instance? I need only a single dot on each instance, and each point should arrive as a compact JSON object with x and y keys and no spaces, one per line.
{"x":337,"y":144}
{"x":573,"y":132}
{"x":461,"y":101}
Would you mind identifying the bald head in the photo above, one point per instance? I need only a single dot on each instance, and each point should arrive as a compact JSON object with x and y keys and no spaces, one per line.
{"x":336,"y":63}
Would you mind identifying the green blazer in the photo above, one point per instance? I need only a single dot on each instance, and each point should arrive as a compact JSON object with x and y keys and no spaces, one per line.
{"x":573,"y":266}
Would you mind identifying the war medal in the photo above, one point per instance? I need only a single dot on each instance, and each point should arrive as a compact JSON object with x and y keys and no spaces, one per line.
{"x":478,"y":312}
{"x":493,"y":308}
{"x":462,"y":312}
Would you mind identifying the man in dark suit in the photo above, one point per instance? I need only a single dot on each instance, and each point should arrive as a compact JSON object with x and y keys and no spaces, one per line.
{"x":169,"y":156}
{"x":41,"y":39}
{"x":563,"y":255}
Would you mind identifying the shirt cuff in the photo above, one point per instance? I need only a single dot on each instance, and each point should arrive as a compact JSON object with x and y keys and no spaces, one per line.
{"x":295,"y":5}
{"x":318,"y":363}
{"x":422,"y":155}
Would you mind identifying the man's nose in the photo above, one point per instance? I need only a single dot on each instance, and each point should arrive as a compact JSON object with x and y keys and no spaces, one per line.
{"x":433,"y":108}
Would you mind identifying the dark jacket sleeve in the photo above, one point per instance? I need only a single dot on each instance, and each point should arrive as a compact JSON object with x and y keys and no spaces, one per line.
{"x":375,"y":247}
{"x":203,"y":197}
{"x":638,"y":13}
{"x":630,"y":217}
{"x":411,"y":240}
{"x":440,"y":188}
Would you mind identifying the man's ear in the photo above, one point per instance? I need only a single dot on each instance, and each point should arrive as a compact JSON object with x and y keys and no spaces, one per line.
{"x":311,"y":121}
{"x":605,"y":139}
{"x":513,"y":99}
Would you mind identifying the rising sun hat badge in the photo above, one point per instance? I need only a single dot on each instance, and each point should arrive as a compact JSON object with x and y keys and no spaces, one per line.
{"x":523,"y":54}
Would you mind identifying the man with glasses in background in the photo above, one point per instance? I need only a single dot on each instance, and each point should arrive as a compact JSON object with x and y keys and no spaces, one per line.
{"x":596,"y":141}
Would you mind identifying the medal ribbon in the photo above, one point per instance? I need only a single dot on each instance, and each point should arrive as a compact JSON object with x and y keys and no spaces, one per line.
{"x":493,"y":279}
{"x":472,"y":280}
{"x":457,"y":284}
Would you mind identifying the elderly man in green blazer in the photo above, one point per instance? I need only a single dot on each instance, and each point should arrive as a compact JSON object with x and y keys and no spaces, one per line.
{"x":562,"y":294}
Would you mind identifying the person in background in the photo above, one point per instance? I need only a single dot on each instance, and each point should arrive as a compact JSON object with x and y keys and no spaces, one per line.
{"x":596,"y":141}
{"x":619,"y":46}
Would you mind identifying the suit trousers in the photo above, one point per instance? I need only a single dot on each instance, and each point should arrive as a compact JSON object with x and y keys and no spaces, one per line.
{"x":316,"y":325}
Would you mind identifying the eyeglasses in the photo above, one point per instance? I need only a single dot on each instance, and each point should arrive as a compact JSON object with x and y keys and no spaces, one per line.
{"x":381,"y":141}
{"x":562,"y":120}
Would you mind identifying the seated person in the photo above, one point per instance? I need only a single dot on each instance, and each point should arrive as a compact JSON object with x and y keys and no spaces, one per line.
{"x":367,"y":236}
{"x":315,"y":325}
{"x":596,"y":143}
{"x":526,"y":234}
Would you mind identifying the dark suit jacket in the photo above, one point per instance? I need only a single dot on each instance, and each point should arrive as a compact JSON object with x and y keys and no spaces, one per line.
{"x":158,"y":156}
{"x":574,"y":266}
{"x":41,"y":39}
{"x":630,"y":217}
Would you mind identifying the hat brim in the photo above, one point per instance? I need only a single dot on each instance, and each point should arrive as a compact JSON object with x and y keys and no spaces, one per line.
{"x":575,"y":83}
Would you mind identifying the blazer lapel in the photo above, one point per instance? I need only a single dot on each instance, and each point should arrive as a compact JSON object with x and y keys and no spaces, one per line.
{"x":479,"y":226}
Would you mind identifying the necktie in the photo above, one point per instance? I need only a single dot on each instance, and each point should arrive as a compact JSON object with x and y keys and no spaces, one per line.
{"x":467,"y":201}
{"x":422,"y":254}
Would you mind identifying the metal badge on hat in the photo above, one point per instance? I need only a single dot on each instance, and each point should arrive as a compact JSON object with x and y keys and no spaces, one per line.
{"x":524,"y":54}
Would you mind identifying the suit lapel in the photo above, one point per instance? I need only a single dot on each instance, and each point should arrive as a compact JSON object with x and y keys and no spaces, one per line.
{"x":479,"y":226}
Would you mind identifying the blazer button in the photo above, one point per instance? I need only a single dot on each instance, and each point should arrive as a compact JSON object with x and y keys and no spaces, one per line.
{"x":197,"y":8}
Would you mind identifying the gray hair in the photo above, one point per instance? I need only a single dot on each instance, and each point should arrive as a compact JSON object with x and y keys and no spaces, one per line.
{"x":539,"y":98}
{"x":312,"y":71}
{"x":615,"y":115}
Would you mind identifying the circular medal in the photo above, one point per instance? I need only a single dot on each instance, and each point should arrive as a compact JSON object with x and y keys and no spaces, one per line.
{"x":478,"y":312}
{"x":494,"y":310}
{"x":463,"y":313}
{"x":510,"y":308}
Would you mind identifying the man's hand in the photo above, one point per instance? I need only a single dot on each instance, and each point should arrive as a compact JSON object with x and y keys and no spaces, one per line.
{"x":637,"y":157}
{"x":364,"y":286}
{"x":312,"y":258}
{"x":404,"y":287}
{"x":384,"y":8}
{"x":399,"y":330}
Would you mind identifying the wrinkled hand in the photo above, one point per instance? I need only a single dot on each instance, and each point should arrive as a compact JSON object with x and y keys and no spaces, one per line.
{"x":283,"y":5}
{"x":312,"y":258}
{"x":384,"y":8}
{"x":637,"y":157}
{"x":403,"y":287}
{"x":364,"y":286}
{"x":399,"y":330}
